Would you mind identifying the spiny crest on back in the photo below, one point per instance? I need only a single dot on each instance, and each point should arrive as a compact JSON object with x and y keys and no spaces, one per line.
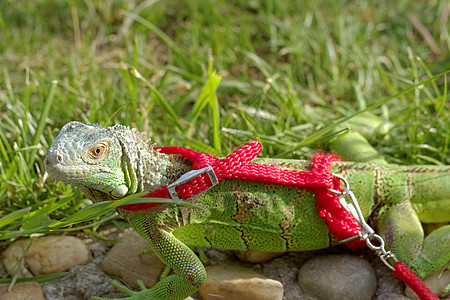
{"x":134,"y":134}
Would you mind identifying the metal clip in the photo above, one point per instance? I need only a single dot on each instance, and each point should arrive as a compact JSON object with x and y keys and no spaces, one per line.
{"x":367,"y":233}
{"x":386,"y":256}
{"x":189,"y":176}
{"x":354,"y":209}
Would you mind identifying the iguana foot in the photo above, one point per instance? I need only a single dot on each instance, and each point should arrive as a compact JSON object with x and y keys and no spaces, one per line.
{"x":165,"y":272}
{"x":140,"y":295}
{"x":146,"y":251}
{"x":202,"y":255}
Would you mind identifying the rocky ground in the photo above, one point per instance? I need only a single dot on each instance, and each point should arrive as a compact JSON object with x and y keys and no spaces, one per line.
{"x":346,"y":275}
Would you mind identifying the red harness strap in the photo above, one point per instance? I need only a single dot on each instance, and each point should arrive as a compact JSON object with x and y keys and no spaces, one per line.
{"x":238,"y":166}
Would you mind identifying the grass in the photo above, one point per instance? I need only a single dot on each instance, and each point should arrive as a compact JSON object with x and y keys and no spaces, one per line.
{"x":212,"y":76}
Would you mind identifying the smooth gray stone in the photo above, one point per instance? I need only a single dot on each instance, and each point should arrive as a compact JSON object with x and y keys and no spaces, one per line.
{"x":337,"y":277}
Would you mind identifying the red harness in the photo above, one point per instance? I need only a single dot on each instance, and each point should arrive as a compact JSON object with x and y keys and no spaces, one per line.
{"x":238,"y":166}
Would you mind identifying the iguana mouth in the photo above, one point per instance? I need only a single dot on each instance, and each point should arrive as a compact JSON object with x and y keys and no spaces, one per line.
{"x":66,"y":173}
{"x":58,"y":165}
{"x":76,"y":176}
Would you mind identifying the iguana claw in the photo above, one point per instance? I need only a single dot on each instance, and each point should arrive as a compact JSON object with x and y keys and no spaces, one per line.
{"x":133,"y":294}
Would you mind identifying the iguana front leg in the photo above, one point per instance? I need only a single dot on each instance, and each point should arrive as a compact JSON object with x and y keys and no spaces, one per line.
{"x":190,"y":274}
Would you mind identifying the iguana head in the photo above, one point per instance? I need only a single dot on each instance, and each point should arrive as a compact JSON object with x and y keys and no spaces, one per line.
{"x":104,"y":161}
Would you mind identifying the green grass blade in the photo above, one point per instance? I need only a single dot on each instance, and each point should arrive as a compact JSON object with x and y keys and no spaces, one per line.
{"x":117,"y":111}
{"x":313,"y":138}
{"x":3,"y":151}
{"x":165,"y":106}
{"x":18,"y":265}
{"x":11,"y":217}
{"x":199,"y":146}
{"x":97,"y":209}
{"x":49,"y":208}
{"x":86,"y":214}
{"x":8,"y":84}
{"x":42,"y":120}
{"x":202,"y":101}
{"x":208,"y":96}
{"x":39,"y":278}
{"x":445,"y":147}
{"x":164,"y":37}
{"x":213,"y":83}
{"x":39,"y":221}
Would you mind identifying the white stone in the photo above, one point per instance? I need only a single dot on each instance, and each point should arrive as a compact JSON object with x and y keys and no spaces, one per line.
{"x":337,"y":277}
{"x":48,"y":254}
{"x":22,"y":291}
{"x":238,"y":283}
{"x":256,"y":257}
{"x":124,"y":262}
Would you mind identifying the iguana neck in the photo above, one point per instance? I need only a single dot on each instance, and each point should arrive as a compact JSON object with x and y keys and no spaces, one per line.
{"x":147,"y":170}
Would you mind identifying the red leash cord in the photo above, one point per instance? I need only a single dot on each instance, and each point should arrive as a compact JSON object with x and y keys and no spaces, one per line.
{"x":237,"y":166}
{"x":410,"y":278}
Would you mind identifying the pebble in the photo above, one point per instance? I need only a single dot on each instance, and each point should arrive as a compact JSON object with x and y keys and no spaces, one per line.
{"x":435,"y":282}
{"x":256,"y":257}
{"x":22,"y":291}
{"x":123,"y":262}
{"x":239,"y":283}
{"x":337,"y":277}
{"x":48,"y":254}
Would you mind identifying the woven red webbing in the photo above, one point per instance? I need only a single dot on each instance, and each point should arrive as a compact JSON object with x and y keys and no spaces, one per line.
{"x":238,"y":166}
{"x":341,"y":223}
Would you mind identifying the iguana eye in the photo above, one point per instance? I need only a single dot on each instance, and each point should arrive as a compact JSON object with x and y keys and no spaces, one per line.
{"x":98,"y":151}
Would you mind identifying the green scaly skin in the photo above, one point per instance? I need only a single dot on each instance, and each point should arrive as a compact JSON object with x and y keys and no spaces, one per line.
{"x":252,"y":216}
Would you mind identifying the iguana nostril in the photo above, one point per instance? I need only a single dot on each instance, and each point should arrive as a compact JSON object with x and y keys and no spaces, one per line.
{"x":53,"y":159}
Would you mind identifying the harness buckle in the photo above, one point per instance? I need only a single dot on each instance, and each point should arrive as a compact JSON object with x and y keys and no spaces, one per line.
{"x":189,"y":176}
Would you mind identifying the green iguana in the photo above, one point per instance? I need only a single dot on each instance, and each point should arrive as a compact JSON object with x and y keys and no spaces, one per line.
{"x":113,"y":162}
